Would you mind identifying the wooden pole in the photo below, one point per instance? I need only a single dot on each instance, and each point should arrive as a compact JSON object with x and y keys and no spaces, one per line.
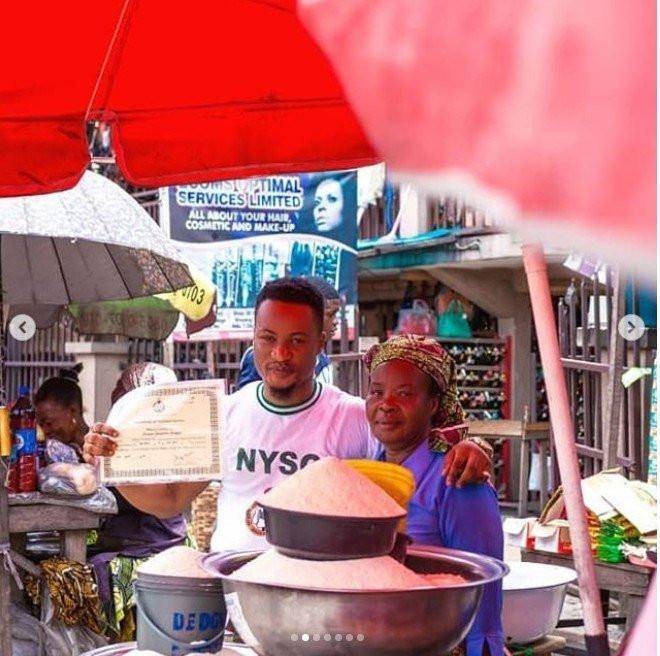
{"x":564,"y":436}
{"x":614,"y":389}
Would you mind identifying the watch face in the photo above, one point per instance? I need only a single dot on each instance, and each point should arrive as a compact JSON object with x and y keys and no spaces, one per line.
{"x":254,"y":519}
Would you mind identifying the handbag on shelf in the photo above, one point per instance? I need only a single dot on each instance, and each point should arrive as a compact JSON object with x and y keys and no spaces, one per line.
{"x":418,"y":320}
{"x":453,"y":322}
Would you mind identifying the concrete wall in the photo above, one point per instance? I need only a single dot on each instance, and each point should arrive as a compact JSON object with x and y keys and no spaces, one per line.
{"x":102,"y":365}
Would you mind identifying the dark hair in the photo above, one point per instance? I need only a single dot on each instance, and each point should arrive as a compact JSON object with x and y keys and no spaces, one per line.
{"x":293,"y":290}
{"x":62,"y":389}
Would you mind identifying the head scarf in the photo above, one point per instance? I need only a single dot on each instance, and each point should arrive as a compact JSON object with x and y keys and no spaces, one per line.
{"x":142,"y":374}
{"x":425,"y":353}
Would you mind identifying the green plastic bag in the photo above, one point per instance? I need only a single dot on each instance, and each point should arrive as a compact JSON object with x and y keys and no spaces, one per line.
{"x":453,"y":322}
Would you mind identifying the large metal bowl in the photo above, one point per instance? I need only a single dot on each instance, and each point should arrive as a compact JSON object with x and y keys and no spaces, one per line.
{"x":325,"y":537}
{"x":278,"y":620}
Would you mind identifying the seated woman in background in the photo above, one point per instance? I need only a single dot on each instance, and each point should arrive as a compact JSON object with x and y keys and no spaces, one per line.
{"x":58,"y":403}
{"x":127,"y":538}
{"x":412,"y":404}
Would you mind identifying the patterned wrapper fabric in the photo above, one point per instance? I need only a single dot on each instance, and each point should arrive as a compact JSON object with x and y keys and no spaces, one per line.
{"x":73,"y":591}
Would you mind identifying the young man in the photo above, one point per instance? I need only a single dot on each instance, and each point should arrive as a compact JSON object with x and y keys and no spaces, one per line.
{"x":249,"y":373}
{"x":274,"y":427}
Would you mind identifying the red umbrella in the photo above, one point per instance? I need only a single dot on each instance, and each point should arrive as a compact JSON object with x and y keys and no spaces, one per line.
{"x":196,"y":91}
{"x":539,"y":110}
{"x":545,"y":109}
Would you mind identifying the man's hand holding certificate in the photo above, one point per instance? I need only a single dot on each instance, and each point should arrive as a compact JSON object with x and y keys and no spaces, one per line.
{"x":167,"y":433}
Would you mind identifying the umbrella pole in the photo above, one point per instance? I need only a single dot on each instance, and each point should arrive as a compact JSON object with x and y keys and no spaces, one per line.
{"x":564,"y":437}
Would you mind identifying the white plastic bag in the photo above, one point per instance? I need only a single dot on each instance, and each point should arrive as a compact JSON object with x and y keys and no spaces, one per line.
{"x":68,"y":480}
{"x":27,"y":634}
{"x":62,"y":640}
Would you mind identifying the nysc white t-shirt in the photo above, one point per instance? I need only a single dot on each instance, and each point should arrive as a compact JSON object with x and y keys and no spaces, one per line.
{"x":263,"y":443}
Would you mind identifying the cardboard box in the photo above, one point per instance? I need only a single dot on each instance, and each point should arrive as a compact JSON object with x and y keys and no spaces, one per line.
{"x":518,"y":532}
{"x":552,"y":536}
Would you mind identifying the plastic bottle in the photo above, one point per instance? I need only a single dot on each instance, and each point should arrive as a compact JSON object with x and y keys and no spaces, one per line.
{"x":9,"y":448}
{"x":23,"y":422}
{"x":12,"y":475}
{"x":41,"y":448}
{"x":5,"y":432}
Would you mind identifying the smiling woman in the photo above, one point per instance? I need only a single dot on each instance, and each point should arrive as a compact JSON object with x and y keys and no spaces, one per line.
{"x":401,"y":402}
{"x":59,"y":407}
{"x":412,"y":398}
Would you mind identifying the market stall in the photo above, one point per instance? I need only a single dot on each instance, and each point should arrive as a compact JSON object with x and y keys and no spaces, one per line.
{"x":117,"y":252}
{"x":622,"y":520}
{"x":492,"y":112}
{"x":70,"y":521}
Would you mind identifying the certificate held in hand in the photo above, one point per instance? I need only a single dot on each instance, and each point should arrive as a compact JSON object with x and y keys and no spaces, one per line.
{"x":167,"y":433}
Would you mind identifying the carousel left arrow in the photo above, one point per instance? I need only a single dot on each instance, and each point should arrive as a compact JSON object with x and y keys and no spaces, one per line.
{"x":22,"y":327}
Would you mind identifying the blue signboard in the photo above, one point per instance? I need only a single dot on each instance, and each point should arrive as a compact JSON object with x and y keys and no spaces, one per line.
{"x":243,"y":233}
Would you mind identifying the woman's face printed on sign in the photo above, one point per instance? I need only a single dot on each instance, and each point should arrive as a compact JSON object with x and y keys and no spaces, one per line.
{"x":328,"y":205}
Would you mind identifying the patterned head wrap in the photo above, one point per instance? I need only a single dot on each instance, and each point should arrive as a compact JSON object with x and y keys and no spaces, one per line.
{"x":429,"y":357}
{"x":142,"y":374}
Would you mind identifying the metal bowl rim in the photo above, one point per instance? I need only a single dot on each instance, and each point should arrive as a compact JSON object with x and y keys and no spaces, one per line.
{"x":499,"y":565}
{"x":298,"y":513}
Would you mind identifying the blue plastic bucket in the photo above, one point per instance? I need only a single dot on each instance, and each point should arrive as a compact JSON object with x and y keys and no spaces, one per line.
{"x":179,"y":615}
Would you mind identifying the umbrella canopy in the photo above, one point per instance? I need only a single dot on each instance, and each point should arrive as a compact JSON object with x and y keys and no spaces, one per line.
{"x":93,"y":242}
{"x":540,"y":110}
{"x":200,"y":92}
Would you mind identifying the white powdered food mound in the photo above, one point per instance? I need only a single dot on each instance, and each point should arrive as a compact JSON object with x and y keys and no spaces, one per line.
{"x":331,"y":487}
{"x":380,"y":573}
{"x":176,"y":561}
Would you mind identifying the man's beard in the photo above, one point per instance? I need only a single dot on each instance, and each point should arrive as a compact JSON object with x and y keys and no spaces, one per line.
{"x":282,"y":393}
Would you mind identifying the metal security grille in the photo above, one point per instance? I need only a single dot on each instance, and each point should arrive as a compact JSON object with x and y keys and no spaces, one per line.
{"x":611,"y":422}
{"x":30,"y":363}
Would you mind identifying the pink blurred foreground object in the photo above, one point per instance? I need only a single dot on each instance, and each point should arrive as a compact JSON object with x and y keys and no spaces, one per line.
{"x":644,"y":636}
{"x":537,"y":110}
